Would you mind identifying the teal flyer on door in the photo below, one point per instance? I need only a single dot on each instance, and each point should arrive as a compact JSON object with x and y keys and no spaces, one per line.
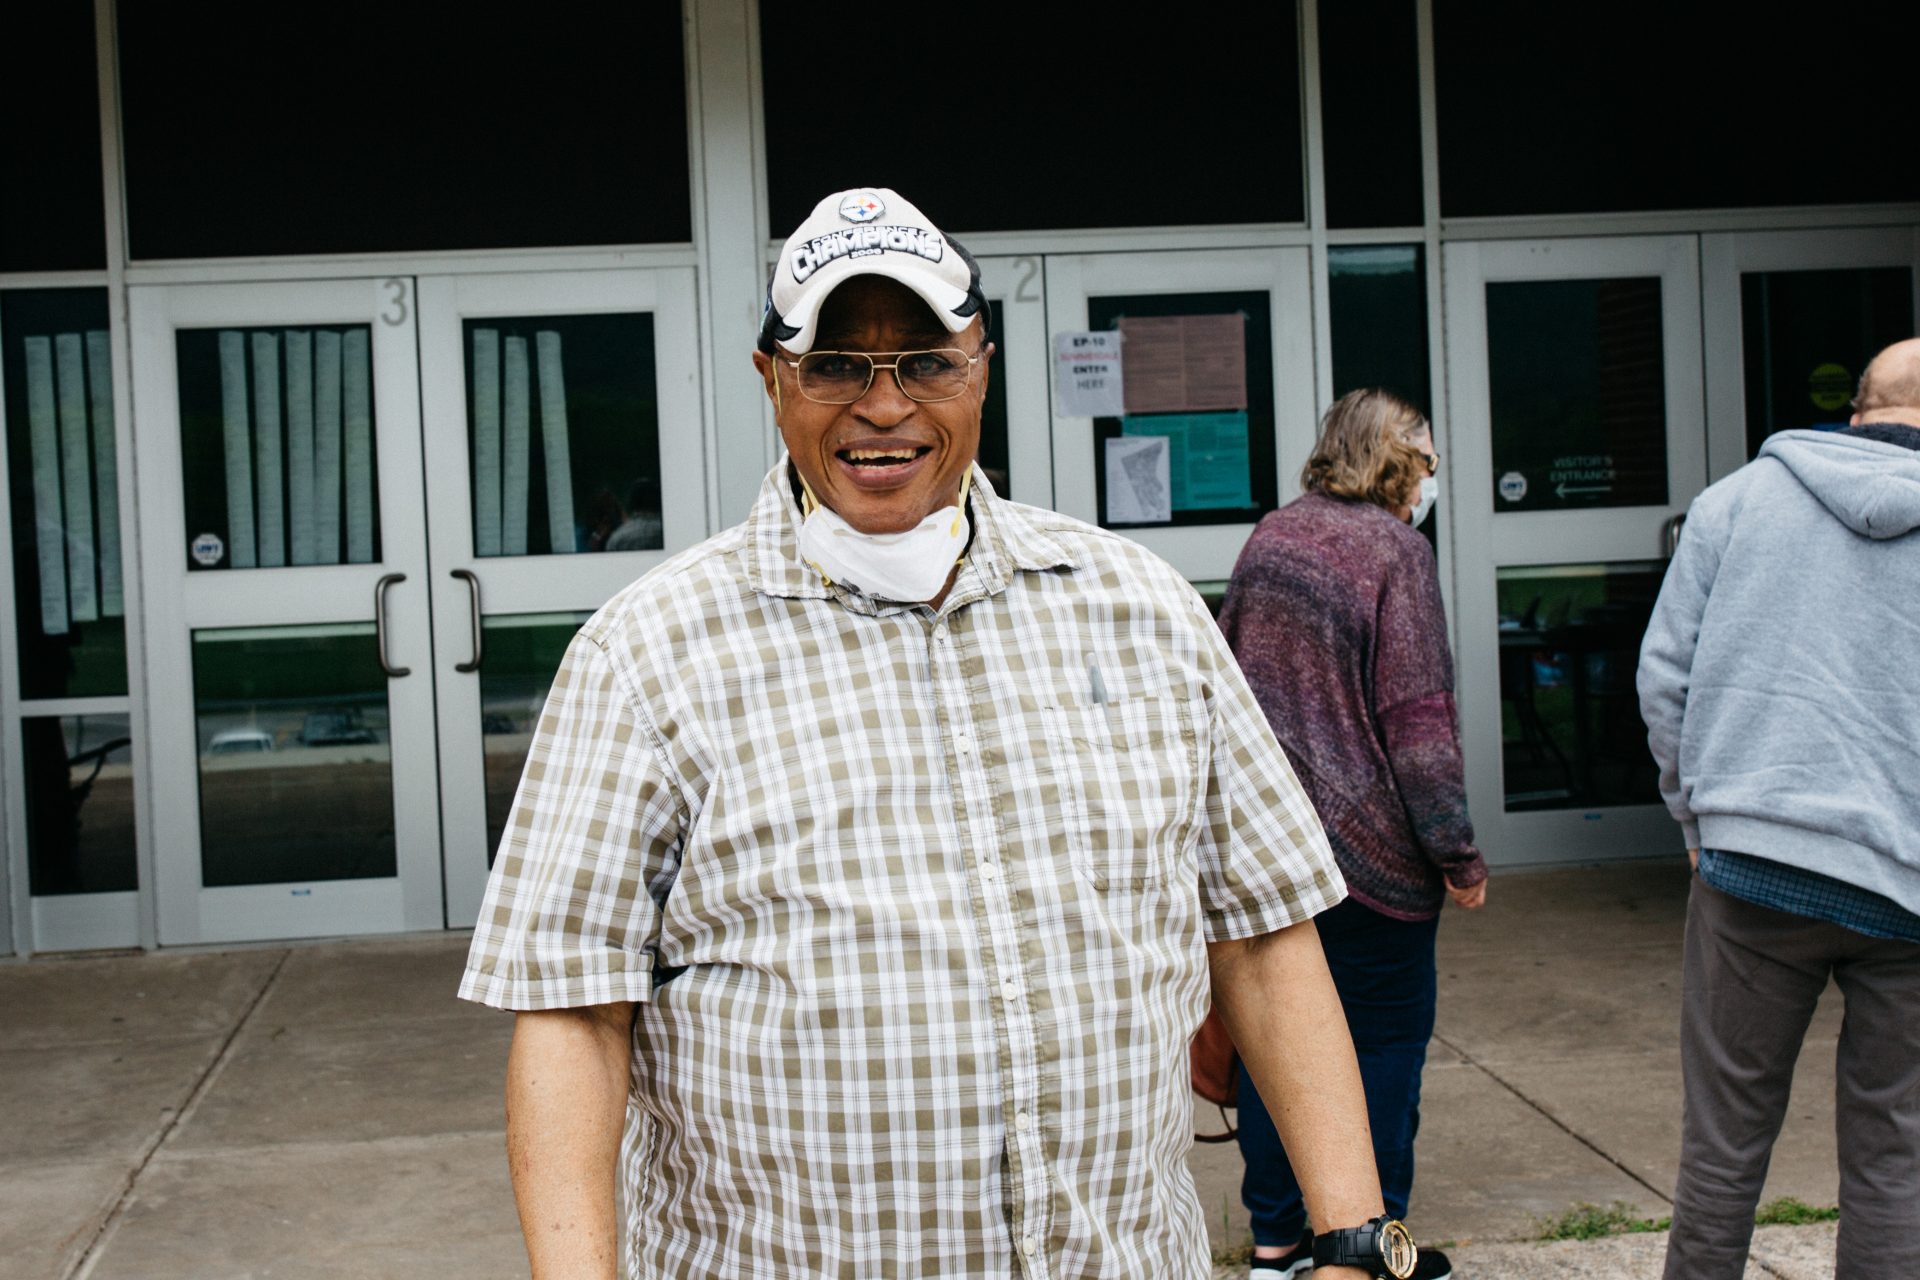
{"x":1209,"y":467}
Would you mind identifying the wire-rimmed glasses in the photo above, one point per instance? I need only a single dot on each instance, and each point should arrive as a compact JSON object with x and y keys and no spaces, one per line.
{"x":842,"y":377}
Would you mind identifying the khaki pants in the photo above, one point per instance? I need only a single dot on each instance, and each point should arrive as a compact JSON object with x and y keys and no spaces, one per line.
{"x":1752,"y":976}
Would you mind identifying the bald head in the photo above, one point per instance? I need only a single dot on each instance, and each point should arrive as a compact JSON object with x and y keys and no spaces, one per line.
{"x":1890,"y":388}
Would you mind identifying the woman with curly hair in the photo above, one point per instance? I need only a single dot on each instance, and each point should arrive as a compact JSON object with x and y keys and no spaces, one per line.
{"x":1334,"y":614}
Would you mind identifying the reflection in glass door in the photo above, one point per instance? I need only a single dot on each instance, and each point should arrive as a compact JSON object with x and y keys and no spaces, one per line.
{"x":1792,"y":318}
{"x":292,"y":737}
{"x":563,"y":460}
{"x":1576,"y":412}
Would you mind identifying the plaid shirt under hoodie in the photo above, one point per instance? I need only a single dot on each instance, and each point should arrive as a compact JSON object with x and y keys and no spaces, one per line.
{"x":1334,"y":614}
{"x":914,"y":903}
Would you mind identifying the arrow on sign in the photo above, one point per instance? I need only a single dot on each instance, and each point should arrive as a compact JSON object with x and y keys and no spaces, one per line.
{"x":1563,"y":489}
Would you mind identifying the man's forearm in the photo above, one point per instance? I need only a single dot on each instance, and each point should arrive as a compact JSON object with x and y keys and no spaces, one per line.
{"x":1280,"y":1005}
{"x":566,"y":1108}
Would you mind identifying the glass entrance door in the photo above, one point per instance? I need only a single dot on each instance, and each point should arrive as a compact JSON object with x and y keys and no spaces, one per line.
{"x":1217,"y":413}
{"x":284,"y":555}
{"x":1579,"y":436}
{"x":563,"y":458}
{"x":345,"y":677}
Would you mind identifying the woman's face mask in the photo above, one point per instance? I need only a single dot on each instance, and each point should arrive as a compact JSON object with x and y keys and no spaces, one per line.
{"x":1423,"y":505}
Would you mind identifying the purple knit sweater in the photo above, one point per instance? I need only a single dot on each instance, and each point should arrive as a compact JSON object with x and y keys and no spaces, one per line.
{"x":1334,"y":613}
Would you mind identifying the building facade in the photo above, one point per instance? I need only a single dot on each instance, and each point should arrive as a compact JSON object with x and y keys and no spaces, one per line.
{"x":351,"y":359}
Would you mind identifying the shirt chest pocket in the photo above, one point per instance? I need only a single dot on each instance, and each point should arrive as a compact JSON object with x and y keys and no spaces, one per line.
{"x":1128,"y":779}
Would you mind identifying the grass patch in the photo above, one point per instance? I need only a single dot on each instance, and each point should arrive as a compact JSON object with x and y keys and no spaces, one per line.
{"x":1789,"y":1212}
{"x":1234,"y":1257}
{"x":1592,"y":1221}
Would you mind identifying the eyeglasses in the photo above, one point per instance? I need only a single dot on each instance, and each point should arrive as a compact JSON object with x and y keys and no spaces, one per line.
{"x":1433,"y":463}
{"x":842,"y":377}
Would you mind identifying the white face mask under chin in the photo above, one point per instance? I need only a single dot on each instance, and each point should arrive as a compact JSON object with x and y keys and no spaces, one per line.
{"x":910,"y":566}
{"x":1423,"y":505}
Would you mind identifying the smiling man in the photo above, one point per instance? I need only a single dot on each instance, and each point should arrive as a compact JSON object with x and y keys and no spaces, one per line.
{"x":874,"y":860}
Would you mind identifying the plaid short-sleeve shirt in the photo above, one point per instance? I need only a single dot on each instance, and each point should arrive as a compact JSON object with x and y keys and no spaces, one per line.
{"x":914,"y":903}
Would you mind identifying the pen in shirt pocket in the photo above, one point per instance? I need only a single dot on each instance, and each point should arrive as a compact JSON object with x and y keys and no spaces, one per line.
{"x":1095,"y":684}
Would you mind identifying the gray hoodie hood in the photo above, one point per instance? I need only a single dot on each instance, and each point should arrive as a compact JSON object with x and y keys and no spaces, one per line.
{"x":1871,"y":487}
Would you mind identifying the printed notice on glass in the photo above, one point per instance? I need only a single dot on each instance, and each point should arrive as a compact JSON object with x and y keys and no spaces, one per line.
{"x":1209,"y":463}
{"x":1088,"y":374}
{"x":1185,"y":364}
{"x":1139,"y":488}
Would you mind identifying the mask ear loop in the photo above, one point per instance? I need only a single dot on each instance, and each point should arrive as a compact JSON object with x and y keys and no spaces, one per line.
{"x":960,"y":511}
{"x":808,"y":505}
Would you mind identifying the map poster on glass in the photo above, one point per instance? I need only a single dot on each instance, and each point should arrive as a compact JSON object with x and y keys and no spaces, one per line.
{"x":1139,"y":484}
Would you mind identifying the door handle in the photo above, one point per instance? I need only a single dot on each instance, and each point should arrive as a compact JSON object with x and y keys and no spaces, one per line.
{"x":1670,"y":534}
{"x":479,"y":644}
{"x":380,"y":624}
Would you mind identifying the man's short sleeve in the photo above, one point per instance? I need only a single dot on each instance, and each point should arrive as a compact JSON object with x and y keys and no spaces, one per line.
{"x":570,"y":916}
{"x":1264,"y":859}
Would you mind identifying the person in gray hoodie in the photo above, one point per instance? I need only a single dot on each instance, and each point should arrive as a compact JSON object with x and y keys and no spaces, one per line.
{"x":1778,"y":687}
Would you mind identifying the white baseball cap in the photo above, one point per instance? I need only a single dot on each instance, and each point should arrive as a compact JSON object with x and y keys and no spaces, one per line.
{"x":866,"y":231}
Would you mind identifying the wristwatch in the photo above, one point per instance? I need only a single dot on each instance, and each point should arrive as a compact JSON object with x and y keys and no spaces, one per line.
{"x":1383,"y":1246}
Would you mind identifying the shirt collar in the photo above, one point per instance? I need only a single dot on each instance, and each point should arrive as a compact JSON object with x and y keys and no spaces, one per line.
{"x":1005,"y":540}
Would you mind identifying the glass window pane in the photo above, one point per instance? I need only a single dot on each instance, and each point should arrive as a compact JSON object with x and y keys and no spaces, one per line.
{"x":1808,"y":336}
{"x":522,"y":653}
{"x":1562,"y":108}
{"x":1377,"y":302}
{"x":53,"y":216}
{"x":79,"y":785}
{"x":993,"y":412}
{"x":1377,"y":299}
{"x":1137,"y":119}
{"x":64,"y":486}
{"x":1571,"y":736}
{"x":278,"y":447}
{"x":1198,"y":374}
{"x":1370,"y":111}
{"x":563,"y":435}
{"x":1577,"y":381}
{"x":296,"y":774}
{"x":361,"y":126}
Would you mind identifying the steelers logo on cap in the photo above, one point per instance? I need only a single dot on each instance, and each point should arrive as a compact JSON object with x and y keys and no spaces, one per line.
{"x":861,"y":206}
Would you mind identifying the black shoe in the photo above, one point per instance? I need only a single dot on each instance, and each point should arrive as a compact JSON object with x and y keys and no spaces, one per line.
{"x":1432,"y":1265}
{"x":1292,"y":1265}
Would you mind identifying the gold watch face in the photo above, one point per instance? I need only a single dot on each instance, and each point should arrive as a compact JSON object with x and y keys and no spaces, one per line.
{"x":1397,"y":1250}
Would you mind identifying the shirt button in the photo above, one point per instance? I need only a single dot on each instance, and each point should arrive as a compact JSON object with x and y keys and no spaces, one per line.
{"x":962,"y":743}
{"x":1009,"y":990}
{"x":1029,"y":1246}
{"x":1022,"y":1121}
{"x":989,"y":872}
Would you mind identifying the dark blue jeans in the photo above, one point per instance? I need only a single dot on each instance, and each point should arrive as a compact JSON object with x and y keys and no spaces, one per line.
{"x":1384,"y":971}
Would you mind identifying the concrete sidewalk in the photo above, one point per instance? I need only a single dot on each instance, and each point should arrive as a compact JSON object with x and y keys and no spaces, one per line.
{"x":330,"y":1110}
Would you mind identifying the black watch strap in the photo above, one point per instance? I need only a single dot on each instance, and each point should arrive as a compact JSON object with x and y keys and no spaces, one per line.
{"x":1383,"y":1247}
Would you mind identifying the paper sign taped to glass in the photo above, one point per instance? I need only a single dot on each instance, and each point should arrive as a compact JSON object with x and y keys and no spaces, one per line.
{"x":1087,"y":367}
{"x":1185,"y":364}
